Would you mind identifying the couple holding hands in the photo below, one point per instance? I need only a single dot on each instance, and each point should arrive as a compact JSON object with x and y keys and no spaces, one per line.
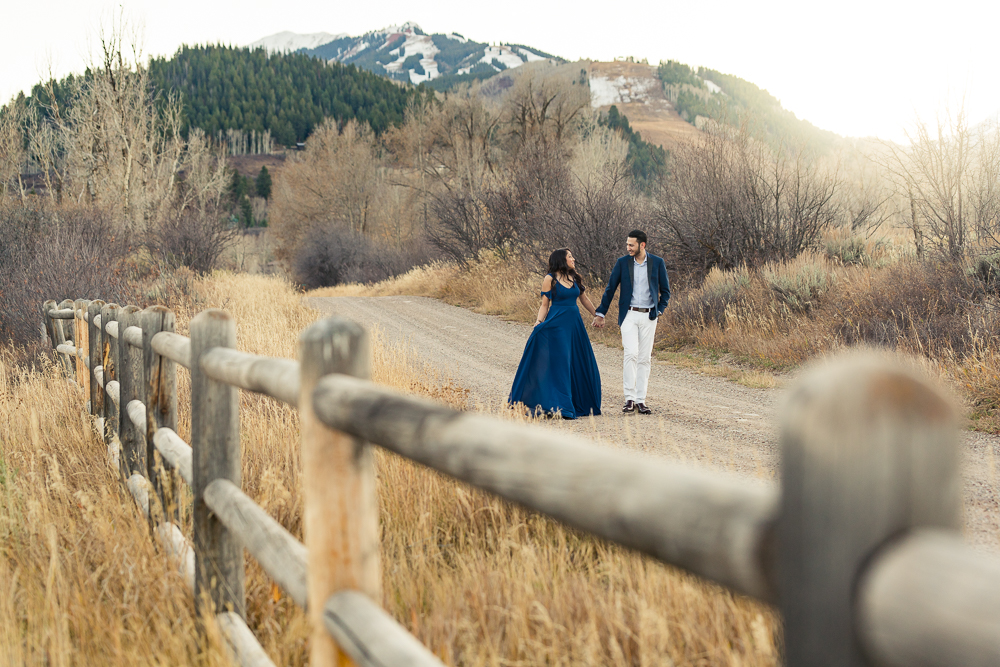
{"x":558,"y":373}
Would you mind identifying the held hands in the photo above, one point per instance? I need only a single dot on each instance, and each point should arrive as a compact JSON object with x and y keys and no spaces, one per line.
{"x":598,"y":322}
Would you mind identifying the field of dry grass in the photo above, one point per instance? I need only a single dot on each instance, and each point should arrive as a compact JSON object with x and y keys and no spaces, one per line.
{"x":478,"y":581}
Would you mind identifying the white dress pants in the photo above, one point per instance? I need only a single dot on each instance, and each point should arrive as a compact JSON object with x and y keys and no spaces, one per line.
{"x":637,"y":339}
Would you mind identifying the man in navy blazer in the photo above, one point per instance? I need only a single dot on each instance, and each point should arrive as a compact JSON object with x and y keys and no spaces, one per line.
{"x":645,"y":292}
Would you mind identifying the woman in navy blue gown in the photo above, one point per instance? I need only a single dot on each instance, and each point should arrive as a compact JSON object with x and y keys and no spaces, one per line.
{"x":558,"y":372}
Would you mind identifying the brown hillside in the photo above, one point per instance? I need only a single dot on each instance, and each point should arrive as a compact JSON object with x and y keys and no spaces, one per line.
{"x":641,"y":100}
{"x":249,"y":165}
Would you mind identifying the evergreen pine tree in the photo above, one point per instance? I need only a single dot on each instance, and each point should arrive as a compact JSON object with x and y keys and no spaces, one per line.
{"x":263,"y":183}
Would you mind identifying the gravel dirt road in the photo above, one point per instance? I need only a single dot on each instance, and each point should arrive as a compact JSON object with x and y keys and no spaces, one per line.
{"x":696,"y":418}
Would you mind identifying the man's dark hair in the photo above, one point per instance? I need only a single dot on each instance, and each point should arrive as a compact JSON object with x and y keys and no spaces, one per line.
{"x":638,"y":235}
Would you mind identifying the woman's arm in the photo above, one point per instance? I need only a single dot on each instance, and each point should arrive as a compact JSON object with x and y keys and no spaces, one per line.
{"x":543,"y":308}
{"x":585,"y":300}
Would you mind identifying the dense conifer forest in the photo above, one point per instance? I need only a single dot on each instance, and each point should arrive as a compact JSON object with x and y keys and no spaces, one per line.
{"x":225,"y":87}
{"x":288,"y":94}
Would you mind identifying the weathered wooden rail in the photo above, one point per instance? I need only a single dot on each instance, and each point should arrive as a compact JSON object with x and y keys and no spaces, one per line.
{"x":861,"y":549}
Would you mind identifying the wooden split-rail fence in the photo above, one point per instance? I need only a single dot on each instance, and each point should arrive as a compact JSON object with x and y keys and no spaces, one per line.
{"x":860,"y":549}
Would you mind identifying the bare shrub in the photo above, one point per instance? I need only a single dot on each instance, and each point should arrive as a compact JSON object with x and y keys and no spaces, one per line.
{"x":934,"y":308}
{"x":711,"y":302}
{"x":731,"y":200}
{"x":333,"y":254}
{"x":192,"y":238}
{"x":59,"y":254}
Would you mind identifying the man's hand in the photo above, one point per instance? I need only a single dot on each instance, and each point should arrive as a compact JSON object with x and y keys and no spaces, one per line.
{"x":598,"y":322}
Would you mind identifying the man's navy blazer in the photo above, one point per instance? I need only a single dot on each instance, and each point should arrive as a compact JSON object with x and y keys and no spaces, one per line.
{"x":659,"y":286}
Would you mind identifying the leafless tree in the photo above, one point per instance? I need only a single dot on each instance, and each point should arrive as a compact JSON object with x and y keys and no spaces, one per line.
{"x":731,"y":200}
{"x":340,"y":177}
{"x":597,"y":217}
{"x":948,"y":181}
{"x":545,"y":108}
{"x":13,"y":121}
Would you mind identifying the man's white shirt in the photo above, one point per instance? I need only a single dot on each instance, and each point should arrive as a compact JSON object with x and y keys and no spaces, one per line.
{"x":641,"y":296}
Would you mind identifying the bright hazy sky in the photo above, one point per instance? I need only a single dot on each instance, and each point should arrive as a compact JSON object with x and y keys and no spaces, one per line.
{"x":857,"y":67}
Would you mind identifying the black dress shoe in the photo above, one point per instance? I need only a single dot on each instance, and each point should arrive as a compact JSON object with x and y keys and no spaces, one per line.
{"x":643,"y":410}
{"x":629,"y":407}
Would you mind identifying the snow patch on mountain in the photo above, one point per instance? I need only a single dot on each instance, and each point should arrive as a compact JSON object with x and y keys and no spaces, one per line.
{"x":286,"y":41}
{"x":619,"y":90}
{"x":530,"y":55}
{"x":387,"y":51}
{"x":712,"y":86}
{"x":413,"y":45}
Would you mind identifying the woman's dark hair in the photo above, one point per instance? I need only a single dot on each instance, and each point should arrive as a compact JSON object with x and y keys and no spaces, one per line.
{"x":557,"y":265}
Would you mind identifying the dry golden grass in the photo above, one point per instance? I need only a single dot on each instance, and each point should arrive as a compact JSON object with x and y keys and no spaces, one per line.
{"x":83,"y":584}
{"x":477,"y":580}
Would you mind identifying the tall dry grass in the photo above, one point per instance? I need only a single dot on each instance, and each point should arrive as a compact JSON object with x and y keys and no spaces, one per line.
{"x":82,"y":581}
{"x":479,"y":581}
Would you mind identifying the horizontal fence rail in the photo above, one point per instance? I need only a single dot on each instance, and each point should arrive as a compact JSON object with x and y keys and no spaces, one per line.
{"x":860,"y":550}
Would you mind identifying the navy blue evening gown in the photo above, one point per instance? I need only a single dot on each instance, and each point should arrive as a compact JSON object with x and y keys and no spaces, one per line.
{"x":558,"y":371}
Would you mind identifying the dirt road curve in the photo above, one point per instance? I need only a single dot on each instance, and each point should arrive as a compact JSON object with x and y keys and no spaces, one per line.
{"x":695,"y":418}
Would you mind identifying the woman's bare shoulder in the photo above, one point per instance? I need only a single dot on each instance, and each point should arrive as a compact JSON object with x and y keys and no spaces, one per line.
{"x":547,"y":282}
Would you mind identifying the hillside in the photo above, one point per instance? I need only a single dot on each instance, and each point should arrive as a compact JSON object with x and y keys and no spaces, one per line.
{"x":638,"y":94}
{"x":699,"y":94}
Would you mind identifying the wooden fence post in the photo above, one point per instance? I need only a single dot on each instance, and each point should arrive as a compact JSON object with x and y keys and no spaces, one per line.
{"x":340,"y":516}
{"x":215,"y":452}
{"x":96,"y":354}
{"x":868,"y":452}
{"x":64,"y":334}
{"x":160,"y":381}
{"x":81,"y":340}
{"x":109,"y":313}
{"x":129,"y":384}
{"x":50,"y":322}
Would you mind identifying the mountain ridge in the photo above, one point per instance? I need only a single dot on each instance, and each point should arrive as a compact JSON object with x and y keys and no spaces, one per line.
{"x":406,"y":53}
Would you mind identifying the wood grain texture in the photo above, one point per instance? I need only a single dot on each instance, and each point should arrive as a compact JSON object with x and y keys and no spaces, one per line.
{"x":62,"y":313}
{"x":80,"y":340}
{"x":50,"y":329}
{"x":215,"y":449}
{"x":281,"y":555}
{"x":716,"y":525}
{"x":113,"y":391}
{"x":370,"y":636}
{"x":277,"y":378}
{"x":69,"y":350}
{"x":246,"y":650}
{"x":64,"y":334}
{"x":929,"y":600}
{"x":136,"y":411}
{"x":869,"y":451}
{"x":173,"y":346}
{"x":133,"y":334}
{"x":132,"y":387}
{"x":109,"y":345}
{"x":340,"y":518}
{"x":160,"y":380}
{"x":95,"y":355}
